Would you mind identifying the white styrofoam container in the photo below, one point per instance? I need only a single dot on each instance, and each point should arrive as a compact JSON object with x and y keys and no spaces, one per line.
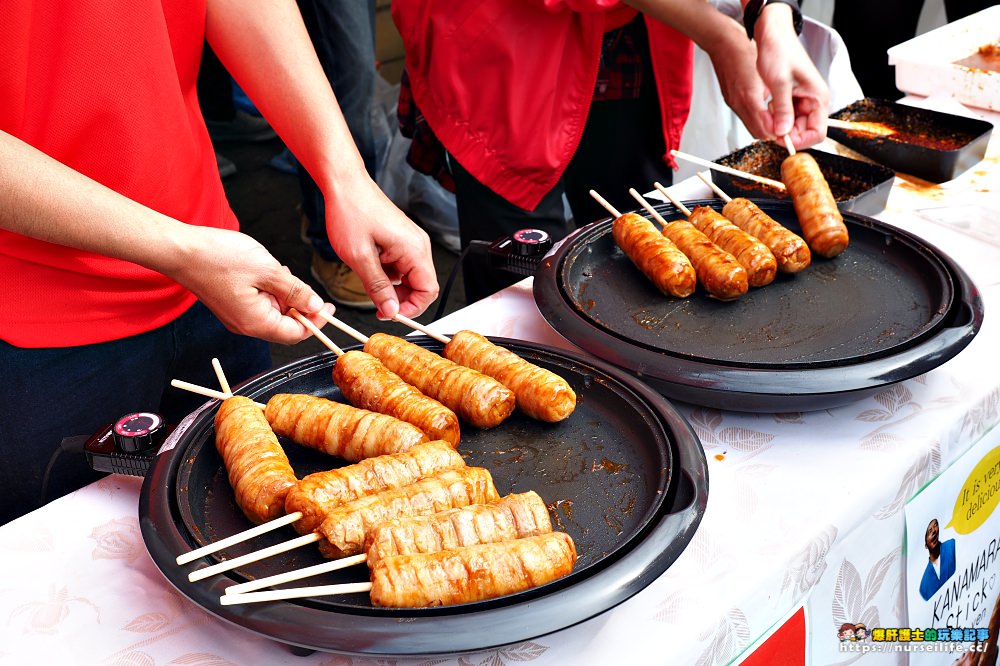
{"x":925,"y":64}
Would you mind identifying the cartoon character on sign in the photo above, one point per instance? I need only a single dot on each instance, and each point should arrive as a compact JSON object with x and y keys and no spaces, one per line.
{"x":846,"y":632}
{"x":940,"y":561}
{"x":860,"y":632}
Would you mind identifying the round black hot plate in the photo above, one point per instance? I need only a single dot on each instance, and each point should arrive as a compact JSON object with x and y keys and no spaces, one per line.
{"x":624,"y":476}
{"x":888,"y":308}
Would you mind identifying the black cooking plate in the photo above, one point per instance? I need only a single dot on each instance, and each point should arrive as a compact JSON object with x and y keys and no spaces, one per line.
{"x":888,"y":308}
{"x":624,"y":475}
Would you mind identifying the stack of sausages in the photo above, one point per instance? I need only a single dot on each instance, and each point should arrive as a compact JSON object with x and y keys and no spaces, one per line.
{"x":401,"y":472}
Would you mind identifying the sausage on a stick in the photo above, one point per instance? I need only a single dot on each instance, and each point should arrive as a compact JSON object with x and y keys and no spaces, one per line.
{"x":654,"y":255}
{"x":472,"y":573}
{"x":316,"y":494}
{"x":749,"y":251}
{"x":368,"y":384}
{"x":338,"y":429}
{"x":822,"y":224}
{"x":258,"y":469}
{"x":512,"y":517}
{"x":344,"y":528}
{"x":540,"y":393}
{"x":475,"y":397}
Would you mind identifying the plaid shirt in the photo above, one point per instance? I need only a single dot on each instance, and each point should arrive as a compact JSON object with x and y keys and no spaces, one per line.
{"x":618,"y":77}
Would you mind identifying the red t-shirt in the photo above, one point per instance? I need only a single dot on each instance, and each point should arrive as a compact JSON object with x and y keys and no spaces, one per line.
{"x":107,"y":88}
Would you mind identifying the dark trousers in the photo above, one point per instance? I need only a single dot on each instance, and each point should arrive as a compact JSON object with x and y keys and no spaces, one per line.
{"x":343,"y":34}
{"x":622,"y":147}
{"x":49,"y":394}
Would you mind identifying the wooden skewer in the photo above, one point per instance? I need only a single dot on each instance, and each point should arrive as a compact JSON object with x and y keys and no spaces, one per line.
{"x":789,"y":145}
{"x":207,"y":392}
{"x":298,"y":574}
{"x":223,"y":382}
{"x":296,"y":593}
{"x":320,"y":335}
{"x":732,"y":172}
{"x":878,"y":129}
{"x":607,"y":206}
{"x":649,"y":208}
{"x":715,"y":188}
{"x":238,"y":538}
{"x":283,"y":547}
{"x":672,"y":199}
{"x":344,"y":327}
{"x":423,"y":329}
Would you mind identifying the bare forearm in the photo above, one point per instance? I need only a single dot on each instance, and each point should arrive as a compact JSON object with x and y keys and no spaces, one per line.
{"x":84,"y":214}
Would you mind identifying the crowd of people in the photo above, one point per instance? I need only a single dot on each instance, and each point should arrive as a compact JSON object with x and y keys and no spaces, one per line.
{"x":122,"y":261}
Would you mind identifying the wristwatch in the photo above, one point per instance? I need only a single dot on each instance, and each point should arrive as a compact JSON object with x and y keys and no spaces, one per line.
{"x":753,"y":9}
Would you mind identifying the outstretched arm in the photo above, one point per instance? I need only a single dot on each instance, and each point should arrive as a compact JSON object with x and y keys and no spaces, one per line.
{"x":266,"y":48}
{"x":249,"y":296}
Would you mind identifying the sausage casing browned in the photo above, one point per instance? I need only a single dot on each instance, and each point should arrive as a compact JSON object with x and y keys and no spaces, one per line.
{"x":472,"y":573}
{"x":512,"y":517}
{"x":345,"y":527}
{"x":754,"y":256}
{"x":340,"y":430}
{"x":789,"y":249}
{"x":258,"y":469}
{"x":656,"y":256}
{"x":316,"y":494}
{"x":476,"y":398}
{"x":540,"y":393}
{"x":718,"y":271}
{"x":822,"y":224}
{"x":368,"y":384}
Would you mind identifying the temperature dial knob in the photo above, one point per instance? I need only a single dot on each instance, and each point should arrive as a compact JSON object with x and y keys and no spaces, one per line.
{"x":139,"y":431}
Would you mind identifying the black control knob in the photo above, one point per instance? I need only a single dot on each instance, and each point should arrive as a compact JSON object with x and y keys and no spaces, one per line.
{"x":139,"y":432}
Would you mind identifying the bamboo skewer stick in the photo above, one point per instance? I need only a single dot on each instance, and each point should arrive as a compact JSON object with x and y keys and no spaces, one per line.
{"x":238,"y":538}
{"x":298,"y":574}
{"x":649,"y":208}
{"x":672,"y":199}
{"x":732,"y":172}
{"x":789,"y":145}
{"x":207,"y":392}
{"x":344,"y":327}
{"x":227,"y":565}
{"x":295,"y":593}
{"x":320,"y":335}
{"x":715,"y":188}
{"x":423,"y":329}
{"x":607,"y":206}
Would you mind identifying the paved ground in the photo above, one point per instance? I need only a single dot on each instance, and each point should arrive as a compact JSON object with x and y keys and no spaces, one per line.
{"x":264,"y":200}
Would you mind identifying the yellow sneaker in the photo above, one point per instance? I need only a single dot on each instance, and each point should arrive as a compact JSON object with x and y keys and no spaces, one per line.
{"x":341,"y":283}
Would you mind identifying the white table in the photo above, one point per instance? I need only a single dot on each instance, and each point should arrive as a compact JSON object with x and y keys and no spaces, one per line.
{"x":801,"y":506}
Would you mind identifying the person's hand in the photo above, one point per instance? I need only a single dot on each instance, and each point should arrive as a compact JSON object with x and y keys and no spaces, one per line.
{"x":734,"y":59}
{"x":799,"y":96}
{"x":244,"y":286}
{"x":388,"y":251}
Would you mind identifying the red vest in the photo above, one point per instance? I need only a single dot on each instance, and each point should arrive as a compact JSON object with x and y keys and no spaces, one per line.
{"x":506,"y":85}
{"x":108,"y":89}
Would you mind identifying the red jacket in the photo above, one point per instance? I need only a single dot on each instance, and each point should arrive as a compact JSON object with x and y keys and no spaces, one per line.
{"x":108,"y":89}
{"x":506,"y":85}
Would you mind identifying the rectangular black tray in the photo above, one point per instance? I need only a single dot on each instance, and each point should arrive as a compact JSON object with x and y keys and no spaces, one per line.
{"x":858,"y":187}
{"x":928,"y":144}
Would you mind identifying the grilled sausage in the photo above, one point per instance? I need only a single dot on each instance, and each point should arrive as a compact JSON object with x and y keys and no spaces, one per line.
{"x":540,"y":393}
{"x":789,"y":249}
{"x":476,"y":398}
{"x":822,"y":224}
{"x":513,"y":517}
{"x":472,"y":573}
{"x":345,"y":526}
{"x":656,"y":256}
{"x":718,"y":271}
{"x":338,"y":429}
{"x":753,"y":255}
{"x":370,"y":385}
{"x":258,"y":469}
{"x":316,"y":494}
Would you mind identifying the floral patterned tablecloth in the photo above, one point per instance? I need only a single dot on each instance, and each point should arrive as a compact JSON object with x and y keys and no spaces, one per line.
{"x":802,"y":506}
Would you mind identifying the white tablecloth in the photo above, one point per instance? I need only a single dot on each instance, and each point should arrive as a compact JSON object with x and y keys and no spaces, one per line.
{"x":801,"y":506}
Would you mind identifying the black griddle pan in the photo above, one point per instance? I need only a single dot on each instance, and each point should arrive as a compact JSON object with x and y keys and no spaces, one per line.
{"x":890,"y":307}
{"x":624,"y":475}
{"x":932,"y":145}
{"x":858,"y":187}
